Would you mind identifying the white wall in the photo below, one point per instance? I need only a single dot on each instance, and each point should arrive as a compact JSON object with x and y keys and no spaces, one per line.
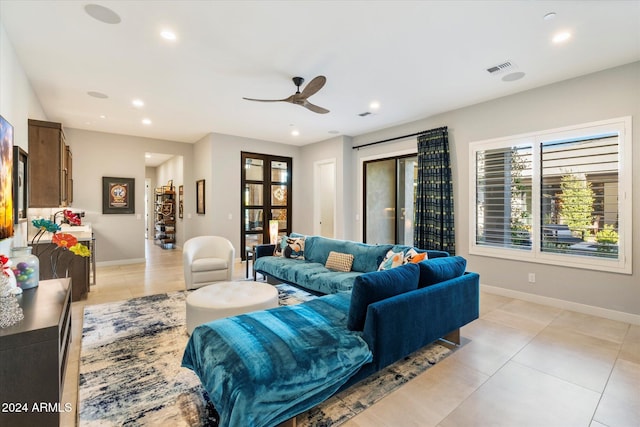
{"x":119,"y":238}
{"x":606,"y":94}
{"x":18,"y":103}
{"x":221,"y":162}
{"x":338,"y":148}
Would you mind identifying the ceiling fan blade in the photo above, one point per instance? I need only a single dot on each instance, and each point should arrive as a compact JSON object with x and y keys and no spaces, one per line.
{"x":289,"y":99}
{"x":315,"y":108}
{"x":313,"y":86}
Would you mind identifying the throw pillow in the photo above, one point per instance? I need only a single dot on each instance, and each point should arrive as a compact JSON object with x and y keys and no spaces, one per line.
{"x":376,"y":286}
{"x":413,"y":256}
{"x":391,"y":260}
{"x":339,"y":261}
{"x":294,"y":248}
{"x":438,"y":270}
{"x":290,"y":247}
{"x":280,"y":245}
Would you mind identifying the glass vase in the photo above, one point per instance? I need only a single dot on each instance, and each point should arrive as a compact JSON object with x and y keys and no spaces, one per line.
{"x":26,"y":267}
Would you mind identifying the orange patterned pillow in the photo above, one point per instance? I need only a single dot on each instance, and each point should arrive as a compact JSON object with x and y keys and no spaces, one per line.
{"x":391,"y":260}
{"x":414,"y":256}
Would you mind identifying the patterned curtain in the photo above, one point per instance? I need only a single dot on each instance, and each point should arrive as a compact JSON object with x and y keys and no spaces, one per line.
{"x":434,"y":199}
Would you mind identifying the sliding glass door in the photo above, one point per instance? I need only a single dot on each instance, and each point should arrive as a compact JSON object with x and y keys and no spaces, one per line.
{"x":266,"y":196}
{"x":389,"y":199}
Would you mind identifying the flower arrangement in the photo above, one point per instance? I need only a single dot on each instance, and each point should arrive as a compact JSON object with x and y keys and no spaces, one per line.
{"x":63,"y":241}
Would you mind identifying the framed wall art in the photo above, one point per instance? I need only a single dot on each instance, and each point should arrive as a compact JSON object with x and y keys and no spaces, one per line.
{"x":200,"y":197}
{"x":20,"y":185}
{"x":6,"y":179}
{"x":118,"y":195}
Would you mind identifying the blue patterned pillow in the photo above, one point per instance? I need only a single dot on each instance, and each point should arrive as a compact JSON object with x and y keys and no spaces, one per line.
{"x":376,"y":286}
{"x":290,"y":247}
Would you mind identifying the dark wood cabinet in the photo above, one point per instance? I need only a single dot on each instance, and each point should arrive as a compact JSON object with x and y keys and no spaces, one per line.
{"x":33,"y":355}
{"x":67,"y":265}
{"x":50,"y":162}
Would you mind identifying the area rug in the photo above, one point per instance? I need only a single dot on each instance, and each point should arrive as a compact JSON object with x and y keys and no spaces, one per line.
{"x":130,"y":373}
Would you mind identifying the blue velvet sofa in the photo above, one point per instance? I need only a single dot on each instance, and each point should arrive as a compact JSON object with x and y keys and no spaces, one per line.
{"x":385,"y":316}
{"x":310,"y":272}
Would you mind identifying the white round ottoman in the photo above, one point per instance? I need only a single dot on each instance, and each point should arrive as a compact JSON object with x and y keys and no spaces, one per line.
{"x":225,"y":299}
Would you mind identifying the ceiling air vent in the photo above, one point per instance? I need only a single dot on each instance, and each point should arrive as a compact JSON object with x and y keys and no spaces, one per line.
{"x":501,"y":68}
{"x":366,"y":113}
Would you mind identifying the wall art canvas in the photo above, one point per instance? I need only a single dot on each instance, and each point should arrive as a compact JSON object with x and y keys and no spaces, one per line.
{"x":6,"y":179}
{"x":200,"y":197}
{"x":20,"y":184}
{"x":118,"y":195}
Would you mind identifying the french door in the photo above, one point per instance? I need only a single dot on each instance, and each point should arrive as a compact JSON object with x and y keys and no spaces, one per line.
{"x":266,"y":198}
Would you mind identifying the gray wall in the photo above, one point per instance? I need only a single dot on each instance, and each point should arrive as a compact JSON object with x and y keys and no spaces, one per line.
{"x":217,"y":160}
{"x":603,"y":95}
{"x":119,"y":238}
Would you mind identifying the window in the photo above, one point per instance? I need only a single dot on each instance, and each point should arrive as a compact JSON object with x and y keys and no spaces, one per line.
{"x":559,"y":197}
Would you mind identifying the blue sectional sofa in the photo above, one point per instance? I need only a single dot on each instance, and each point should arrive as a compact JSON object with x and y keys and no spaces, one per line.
{"x":255,"y":366}
{"x":311,"y":273}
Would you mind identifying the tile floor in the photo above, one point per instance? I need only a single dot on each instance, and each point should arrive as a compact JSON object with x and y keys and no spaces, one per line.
{"x":521,"y":364}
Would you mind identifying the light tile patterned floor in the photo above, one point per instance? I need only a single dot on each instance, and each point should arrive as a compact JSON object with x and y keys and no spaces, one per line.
{"x":522,"y":364}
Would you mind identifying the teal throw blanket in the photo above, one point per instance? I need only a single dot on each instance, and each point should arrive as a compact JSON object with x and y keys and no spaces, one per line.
{"x":265,"y":367}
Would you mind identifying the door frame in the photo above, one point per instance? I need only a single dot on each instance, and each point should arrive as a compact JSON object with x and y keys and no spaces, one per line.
{"x":266,"y":195}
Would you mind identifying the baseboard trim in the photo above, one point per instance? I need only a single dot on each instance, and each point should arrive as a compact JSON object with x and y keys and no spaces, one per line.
{"x":121,"y":262}
{"x":606,"y":313}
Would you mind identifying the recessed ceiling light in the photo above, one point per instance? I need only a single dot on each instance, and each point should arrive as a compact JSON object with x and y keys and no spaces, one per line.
{"x":102,"y":14}
{"x":138,"y":103}
{"x":374,"y":105}
{"x":549,"y":16}
{"x":295,"y":132}
{"x":513,"y":76}
{"x":96,"y":94}
{"x":168,"y":35}
{"x":146,"y":122}
{"x":102,"y":116}
{"x":561,"y":37}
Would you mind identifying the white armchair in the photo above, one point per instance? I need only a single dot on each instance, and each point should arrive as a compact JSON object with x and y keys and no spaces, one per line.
{"x":207,"y":259}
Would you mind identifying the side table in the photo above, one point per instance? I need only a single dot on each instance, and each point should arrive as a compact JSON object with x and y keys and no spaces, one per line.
{"x":250,"y":253}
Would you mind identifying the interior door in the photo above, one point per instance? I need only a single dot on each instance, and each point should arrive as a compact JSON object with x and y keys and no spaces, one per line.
{"x":325,"y":198}
{"x":266,"y":196}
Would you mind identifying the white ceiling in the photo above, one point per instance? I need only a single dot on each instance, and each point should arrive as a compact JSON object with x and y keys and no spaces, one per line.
{"x":417,"y":58}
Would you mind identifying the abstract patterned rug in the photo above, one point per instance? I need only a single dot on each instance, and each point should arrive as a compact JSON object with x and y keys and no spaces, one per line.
{"x":130,"y":373}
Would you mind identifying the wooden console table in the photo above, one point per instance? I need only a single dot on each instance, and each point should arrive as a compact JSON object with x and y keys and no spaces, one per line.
{"x":33,"y":357}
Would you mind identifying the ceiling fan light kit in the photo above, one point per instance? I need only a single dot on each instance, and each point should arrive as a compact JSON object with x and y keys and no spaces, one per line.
{"x":300,"y":98}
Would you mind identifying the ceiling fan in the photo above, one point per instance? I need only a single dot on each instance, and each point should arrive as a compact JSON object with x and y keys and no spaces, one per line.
{"x":300,"y":98}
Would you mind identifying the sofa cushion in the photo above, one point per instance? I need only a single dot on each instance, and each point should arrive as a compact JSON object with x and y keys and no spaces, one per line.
{"x":365,"y":257}
{"x":339,"y":261}
{"x":208,"y":264}
{"x":378,"y":285}
{"x":391,"y":260}
{"x":438,"y":270}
